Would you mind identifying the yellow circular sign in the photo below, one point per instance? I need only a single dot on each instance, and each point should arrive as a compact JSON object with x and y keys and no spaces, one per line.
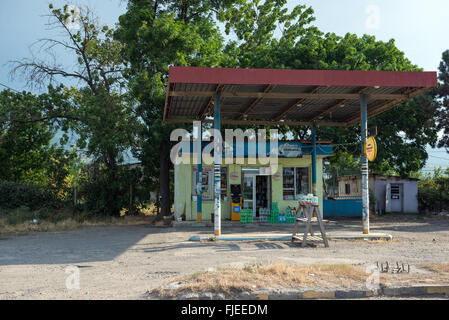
{"x":370,"y":149}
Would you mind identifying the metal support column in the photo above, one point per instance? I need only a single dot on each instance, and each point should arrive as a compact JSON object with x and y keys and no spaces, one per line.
{"x":314,"y":189}
{"x":199,"y":176}
{"x":217,"y":167}
{"x":365,"y":188}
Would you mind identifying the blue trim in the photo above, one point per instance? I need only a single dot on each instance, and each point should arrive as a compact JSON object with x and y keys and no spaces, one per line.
{"x":314,"y":191}
{"x":306,"y":149}
{"x":199,"y":198}
{"x":365,"y":193}
{"x":342,"y":208}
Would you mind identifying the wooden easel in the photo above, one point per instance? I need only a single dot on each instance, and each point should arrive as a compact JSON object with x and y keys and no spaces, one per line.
{"x":309,"y":210}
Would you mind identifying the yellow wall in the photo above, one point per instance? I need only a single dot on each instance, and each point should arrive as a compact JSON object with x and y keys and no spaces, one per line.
{"x":183,"y":187}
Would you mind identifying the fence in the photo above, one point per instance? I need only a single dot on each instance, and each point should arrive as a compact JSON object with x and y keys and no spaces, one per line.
{"x":342,"y":192}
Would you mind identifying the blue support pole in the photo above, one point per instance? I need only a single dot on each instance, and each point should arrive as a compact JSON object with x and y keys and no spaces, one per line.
{"x":365,"y":190}
{"x":199,"y":191}
{"x":314,"y":189}
{"x":217,"y":166}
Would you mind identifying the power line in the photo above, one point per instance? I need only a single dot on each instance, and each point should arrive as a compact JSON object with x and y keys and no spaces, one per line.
{"x":4,"y":85}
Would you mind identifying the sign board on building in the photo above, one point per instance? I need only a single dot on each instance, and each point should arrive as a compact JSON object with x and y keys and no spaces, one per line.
{"x":234,"y":175}
{"x":290,"y":150}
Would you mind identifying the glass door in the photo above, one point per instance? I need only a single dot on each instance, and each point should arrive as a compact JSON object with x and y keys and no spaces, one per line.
{"x":249,"y":192}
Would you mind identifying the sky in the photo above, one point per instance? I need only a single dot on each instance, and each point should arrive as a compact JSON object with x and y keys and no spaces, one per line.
{"x":418,"y":27}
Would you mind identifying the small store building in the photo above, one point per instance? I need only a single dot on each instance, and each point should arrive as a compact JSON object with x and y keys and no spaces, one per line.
{"x":259,"y":186}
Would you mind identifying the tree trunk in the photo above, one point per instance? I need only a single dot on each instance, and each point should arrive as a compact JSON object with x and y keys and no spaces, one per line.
{"x":113,"y":190}
{"x":164,"y":178}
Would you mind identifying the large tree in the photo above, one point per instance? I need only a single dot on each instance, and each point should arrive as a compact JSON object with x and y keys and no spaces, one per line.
{"x":97,"y":108}
{"x":27,"y":153}
{"x":157,"y":34}
{"x":268,"y":36}
{"x":442,"y":101}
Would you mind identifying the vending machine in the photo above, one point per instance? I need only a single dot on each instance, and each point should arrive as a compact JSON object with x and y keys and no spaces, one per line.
{"x":236,"y":201}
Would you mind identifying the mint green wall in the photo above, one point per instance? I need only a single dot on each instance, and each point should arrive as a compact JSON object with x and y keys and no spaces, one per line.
{"x":183,"y":190}
{"x":183,"y":187}
{"x":276,"y":184}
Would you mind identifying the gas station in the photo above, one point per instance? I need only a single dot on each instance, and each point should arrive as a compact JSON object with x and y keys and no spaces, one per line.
{"x":270,"y":98}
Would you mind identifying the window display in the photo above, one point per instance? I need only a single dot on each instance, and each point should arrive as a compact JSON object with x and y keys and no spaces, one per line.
{"x":295,"y":182}
{"x":207,"y":182}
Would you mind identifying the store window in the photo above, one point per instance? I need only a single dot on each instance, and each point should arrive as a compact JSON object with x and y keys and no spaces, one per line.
{"x":224,"y":182}
{"x":295,"y":182}
{"x":207,"y":182}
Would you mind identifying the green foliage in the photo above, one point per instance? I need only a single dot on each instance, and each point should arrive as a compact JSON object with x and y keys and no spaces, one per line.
{"x":15,"y":195}
{"x":442,"y":101}
{"x":157,"y":34}
{"x":27,"y":153}
{"x":404,"y":131}
{"x":433,"y":191}
{"x":96,"y":191}
{"x":342,"y":163}
{"x":99,"y":111}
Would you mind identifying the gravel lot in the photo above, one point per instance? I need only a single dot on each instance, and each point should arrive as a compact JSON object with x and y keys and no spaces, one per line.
{"x":124,"y":262}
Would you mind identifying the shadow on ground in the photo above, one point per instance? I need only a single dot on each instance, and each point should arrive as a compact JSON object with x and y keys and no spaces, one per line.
{"x":77,"y":246}
{"x":96,"y":244}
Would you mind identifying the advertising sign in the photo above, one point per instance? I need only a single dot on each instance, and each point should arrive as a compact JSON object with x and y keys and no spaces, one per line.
{"x":370,"y":149}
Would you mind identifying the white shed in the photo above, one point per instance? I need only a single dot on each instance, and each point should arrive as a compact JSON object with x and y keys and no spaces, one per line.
{"x":391,"y":193}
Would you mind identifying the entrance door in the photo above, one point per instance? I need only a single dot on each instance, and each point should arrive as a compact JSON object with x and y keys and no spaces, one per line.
{"x":256,"y":190}
{"x":263,"y":200}
{"x":396,"y":197}
{"x":249,"y":192}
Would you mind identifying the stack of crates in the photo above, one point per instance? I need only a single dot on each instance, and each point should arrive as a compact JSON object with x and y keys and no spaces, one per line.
{"x":264,"y":214}
{"x":288,"y":215}
{"x":274,"y":217}
{"x":246,"y":216}
{"x":249,"y":216}
{"x":291,"y":215}
{"x":282,"y":217}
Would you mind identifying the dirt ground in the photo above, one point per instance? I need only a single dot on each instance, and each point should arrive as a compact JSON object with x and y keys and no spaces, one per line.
{"x":124,"y":262}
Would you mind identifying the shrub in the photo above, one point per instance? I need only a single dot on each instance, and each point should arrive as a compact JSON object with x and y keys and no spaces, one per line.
{"x":433,"y":192}
{"x":15,"y":195}
{"x":104,"y":196}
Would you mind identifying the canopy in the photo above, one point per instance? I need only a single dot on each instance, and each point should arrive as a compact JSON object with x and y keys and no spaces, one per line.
{"x":287,"y":97}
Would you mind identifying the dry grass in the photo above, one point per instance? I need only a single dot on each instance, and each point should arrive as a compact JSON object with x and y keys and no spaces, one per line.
{"x":277,"y":275}
{"x":280,"y":275}
{"x":72,"y":224}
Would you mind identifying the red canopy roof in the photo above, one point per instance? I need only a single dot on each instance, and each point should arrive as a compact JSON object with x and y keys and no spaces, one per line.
{"x":288,"y":97}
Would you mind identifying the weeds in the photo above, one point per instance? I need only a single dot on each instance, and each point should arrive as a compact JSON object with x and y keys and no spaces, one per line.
{"x":23,"y":220}
{"x":251,"y":277}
